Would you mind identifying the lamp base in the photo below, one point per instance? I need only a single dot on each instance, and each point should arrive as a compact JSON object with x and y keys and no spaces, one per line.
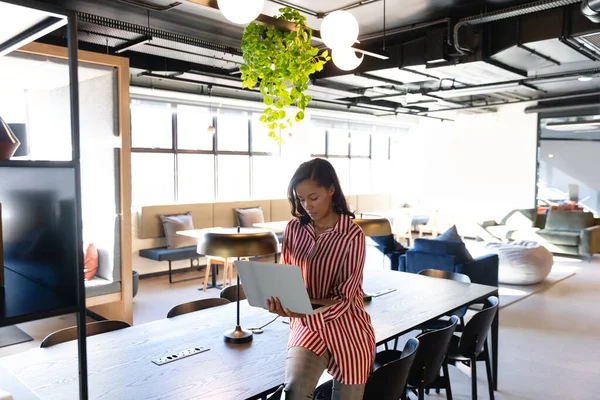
{"x":237,"y":335}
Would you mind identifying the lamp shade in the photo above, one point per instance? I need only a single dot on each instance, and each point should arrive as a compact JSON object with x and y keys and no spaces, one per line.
{"x":339,"y":29}
{"x":374,"y":225}
{"x":8,"y":141}
{"x":241,"y":11}
{"x":237,"y":242}
{"x":345,"y":58}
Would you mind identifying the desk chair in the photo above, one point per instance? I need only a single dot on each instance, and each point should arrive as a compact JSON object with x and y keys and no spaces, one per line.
{"x":388,"y":382}
{"x":195,"y":306}
{"x":92,"y":328}
{"x":230,"y":293}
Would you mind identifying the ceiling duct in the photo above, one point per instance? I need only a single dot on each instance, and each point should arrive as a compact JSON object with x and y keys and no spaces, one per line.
{"x":511,"y":12}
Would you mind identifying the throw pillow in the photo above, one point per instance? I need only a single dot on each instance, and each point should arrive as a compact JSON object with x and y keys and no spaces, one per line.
{"x":247,"y":217}
{"x":451,"y":235}
{"x":90,"y":265}
{"x":174,"y":223}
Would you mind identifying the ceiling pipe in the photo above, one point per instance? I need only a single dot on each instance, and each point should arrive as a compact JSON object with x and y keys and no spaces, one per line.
{"x":511,"y":12}
{"x":548,"y":109}
{"x":505,"y":103}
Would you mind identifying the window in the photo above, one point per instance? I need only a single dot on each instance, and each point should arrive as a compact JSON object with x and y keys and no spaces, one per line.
{"x":153,"y":177}
{"x":360,"y":143}
{"x":337,"y":141}
{"x":318,"y":139}
{"x":151,"y":125}
{"x":342,"y":169}
{"x":380,"y":146}
{"x":192,"y":128}
{"x":233,"y":177}
{"x":261,"y":142}
{"x":360,"y":175}
{"x":174,"y":157}
{"x":195,"y":178}
{"x":232,"y":129}
{"x":270,"y":177}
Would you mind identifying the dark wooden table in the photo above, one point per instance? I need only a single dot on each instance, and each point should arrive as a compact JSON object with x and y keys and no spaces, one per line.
{"x":120,"y":366}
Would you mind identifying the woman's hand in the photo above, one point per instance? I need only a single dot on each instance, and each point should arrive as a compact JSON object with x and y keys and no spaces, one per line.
{"x":274,"y":306}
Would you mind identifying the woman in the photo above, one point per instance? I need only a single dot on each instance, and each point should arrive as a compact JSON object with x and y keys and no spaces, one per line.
{"x":329,"y":248}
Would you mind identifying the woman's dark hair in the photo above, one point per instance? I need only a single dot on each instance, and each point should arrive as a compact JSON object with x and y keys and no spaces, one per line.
{"x":322,"y":172}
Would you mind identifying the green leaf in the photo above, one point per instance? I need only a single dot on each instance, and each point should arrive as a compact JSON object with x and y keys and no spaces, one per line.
{"x":281,"y":114}
{"x":300,"y":115}
{"x":325,"y":53}
{"x":263,"y":118}
{"x":268,"y":101}
{"x":282,"y":126}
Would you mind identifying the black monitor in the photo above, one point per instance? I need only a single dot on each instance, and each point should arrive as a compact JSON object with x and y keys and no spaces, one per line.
{"x":39,"y":226}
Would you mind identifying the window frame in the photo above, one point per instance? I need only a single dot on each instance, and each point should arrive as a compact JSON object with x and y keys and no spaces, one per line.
{"x":175,"y":150}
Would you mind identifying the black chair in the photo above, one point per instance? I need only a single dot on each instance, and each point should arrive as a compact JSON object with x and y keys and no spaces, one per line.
{"x":431,"y":357}
{"x":230,"y":293}
{"x":195,"y":306}
{"x":459,"y":312}
{"x":387,"y":382}
{"x":472,"y":345}
{"x":91,"y":329}
{"x":277,"y":394}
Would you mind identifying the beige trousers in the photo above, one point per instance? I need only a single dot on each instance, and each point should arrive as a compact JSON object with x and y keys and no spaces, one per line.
{"x":302,"y":372}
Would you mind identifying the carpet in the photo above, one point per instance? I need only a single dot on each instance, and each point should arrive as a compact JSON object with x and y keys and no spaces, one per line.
{"x":10,"y":335}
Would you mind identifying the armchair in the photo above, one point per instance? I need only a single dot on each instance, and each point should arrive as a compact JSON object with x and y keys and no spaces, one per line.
{"x":451,"y":256}
{"x":388,"y":247}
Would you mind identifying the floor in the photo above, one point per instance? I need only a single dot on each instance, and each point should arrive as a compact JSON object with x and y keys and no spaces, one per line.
{"x":550,"y":346}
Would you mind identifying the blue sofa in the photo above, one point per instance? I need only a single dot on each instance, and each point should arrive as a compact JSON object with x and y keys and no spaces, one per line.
{"x":388,"y":247}
{"x":449,"y":256}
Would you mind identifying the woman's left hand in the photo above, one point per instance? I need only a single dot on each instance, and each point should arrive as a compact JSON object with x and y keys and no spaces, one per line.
{"x":274,"y":306}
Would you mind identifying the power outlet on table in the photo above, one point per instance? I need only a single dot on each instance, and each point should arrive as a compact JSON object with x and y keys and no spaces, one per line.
{"x":178,"y":356}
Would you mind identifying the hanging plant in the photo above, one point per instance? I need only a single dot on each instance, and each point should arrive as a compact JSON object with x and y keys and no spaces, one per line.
{"x":280,"y":62}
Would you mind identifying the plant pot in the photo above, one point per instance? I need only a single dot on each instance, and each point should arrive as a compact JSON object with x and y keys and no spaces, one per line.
{"x":8,"y":141}
{"x":136,"y":282}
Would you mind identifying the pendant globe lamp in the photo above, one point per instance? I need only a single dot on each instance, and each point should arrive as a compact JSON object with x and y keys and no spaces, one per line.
{"x":237,"y":242}
{"x":339,"y":30}
{"x":8,"y":141}
{"x":345,"y":58}
{"x":241,"y":12}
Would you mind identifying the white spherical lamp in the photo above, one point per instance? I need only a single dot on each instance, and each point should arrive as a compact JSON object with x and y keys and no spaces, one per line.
{"x":339,"y":29}
{"x":345,"y":58}
{"x":241,"y":11}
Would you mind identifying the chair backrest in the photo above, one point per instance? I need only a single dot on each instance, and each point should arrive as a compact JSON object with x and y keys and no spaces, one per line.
{"x":455,"y":276}
{"x":92,"y":328}
{"x":195,"y":306}
{"x":388,"y":381}
{"x":277,"y":394}
{"x":230,"y":293}
{"x":475,"y":332}
{"x":433,"y":346}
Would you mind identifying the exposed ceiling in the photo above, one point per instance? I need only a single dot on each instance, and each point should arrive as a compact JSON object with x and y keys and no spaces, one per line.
{"x":521,"y":54}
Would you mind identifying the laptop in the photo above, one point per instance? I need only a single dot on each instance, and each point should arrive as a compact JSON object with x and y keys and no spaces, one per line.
{"x":263,"y":280}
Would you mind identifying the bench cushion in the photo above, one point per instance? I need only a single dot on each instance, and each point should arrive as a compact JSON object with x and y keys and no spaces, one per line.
{"x":99,"y":287}
{"x":165,"y":254}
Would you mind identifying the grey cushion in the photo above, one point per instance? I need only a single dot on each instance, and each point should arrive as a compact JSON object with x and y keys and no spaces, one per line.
{"x":247,"y":217}
{"x":560,"y":237}
{"x":522,"y":263}
{"x":99,"y":287}
{"x":575,"y":221}
{"x":107,"y":268}
{"x":172,"y":224}
{"x":451,"y":234}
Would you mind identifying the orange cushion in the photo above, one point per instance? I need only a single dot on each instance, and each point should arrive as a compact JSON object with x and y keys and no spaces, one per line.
{"x":91,"y":262}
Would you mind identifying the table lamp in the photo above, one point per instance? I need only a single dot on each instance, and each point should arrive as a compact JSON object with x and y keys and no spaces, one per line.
{"x":237,"y":242}
{"x":373,"y":225}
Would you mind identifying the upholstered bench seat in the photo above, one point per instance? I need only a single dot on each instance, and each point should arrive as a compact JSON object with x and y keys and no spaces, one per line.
{"x":165,"y":254}
{"x":99,"y":287}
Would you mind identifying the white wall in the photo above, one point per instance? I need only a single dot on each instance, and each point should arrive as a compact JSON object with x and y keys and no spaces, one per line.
{"x":479,"y":166}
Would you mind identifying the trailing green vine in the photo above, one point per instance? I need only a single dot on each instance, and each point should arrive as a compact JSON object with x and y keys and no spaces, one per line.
{"x":280,"y":62}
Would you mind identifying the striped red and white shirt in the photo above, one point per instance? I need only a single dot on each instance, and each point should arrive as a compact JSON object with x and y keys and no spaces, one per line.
{"x":332,"y":266}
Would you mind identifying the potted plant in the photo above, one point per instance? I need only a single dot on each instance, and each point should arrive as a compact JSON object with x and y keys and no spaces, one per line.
{"x":281,"y":62}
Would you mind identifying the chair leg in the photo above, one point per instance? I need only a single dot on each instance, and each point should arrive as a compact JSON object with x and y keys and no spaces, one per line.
{"x":488,"y":369}
{"x":447,"y":380}
{"x":421,"y":393}
{"x":207,"y":272}
{"x":474,"y":378}
{"x":170,"y":273}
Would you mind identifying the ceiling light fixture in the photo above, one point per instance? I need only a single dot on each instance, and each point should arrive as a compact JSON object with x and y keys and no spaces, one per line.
{"x":573,"y":126}
{"x":585,"y":78}
{"x":241,"y":12}
{"x":345,"y":58}
{"x":339,"y":29}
